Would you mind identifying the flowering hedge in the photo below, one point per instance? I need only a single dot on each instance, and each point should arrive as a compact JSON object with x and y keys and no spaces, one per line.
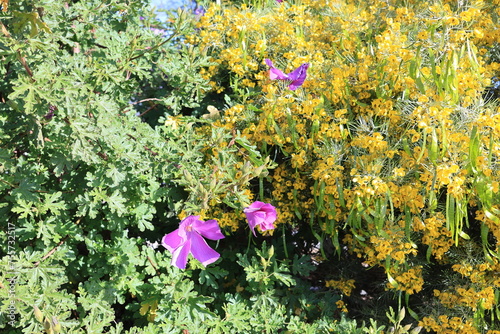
{"x":390,"y":146}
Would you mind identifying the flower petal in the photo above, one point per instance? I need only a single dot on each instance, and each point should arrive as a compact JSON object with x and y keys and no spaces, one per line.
{"x":298,"y":76}
{"x":180,"y":255}
{"x":172,"y":240}
{"x":255,"y":206}
{"x":267,"y":225}
{"x":270,"y":212}
{"x":209,"y":229}
{"x":202,"y":251}
{"x":189,"y":220}
{"x":255,"y":218}
{"x":274,"y":73}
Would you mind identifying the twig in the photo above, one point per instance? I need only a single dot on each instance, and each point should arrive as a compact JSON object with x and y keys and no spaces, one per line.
{"x":145,"y":100}
{"x":155,"y":47}
{"x":52,"y":251}
{"x":19,"y":56}
{"x":8,"y":183}
{"x":36,"y":264}
{"x":148,"y":110}
{"x":153,"y":265}
{"x":153,"y":153}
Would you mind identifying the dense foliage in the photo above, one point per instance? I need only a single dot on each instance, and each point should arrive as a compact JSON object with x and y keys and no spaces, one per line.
{"x":383,"y":166}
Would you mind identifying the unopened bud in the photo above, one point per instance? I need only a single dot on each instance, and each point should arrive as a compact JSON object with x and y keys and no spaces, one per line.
{"x":56,"y":325}
{"x":271,"y":251}
{"x":38,"y":314}
{"x":48,"y":326}
{"x":188,"y":176}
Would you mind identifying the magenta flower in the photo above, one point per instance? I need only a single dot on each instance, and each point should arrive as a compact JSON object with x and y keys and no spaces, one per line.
{"x":296,"y":78}
{"x":188,"y":238}
{"x":260,"y":214}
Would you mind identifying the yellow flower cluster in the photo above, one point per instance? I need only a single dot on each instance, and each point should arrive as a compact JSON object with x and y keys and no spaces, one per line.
{"x":470,"y":298}
{"x":344,"y":285}
{"x":448,"y":325}
{"x":228,"y":220}
{"x":491,"y":224}
{"x":407,"y":195}
{"x":484,"y":274}
{"x":341,"y":306}
{"x":435,"y":235}
{"x":390,"y":246}
{"x":410,"y":281}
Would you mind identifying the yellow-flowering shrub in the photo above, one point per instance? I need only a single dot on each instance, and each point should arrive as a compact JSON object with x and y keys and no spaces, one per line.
{"x":390,"y":147}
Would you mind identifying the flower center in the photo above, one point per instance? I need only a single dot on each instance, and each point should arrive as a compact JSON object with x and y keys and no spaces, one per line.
{"x":189,"y":228}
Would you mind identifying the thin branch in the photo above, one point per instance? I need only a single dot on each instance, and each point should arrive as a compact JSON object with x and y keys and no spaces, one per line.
{"x":153,"y":153}
{"x":25,"y":64}
{"x":149,"y":109}
{"x":8,"y":183}
{"x":153,"y":265}
{"x":52,"y":251}
{"x":145,"y":100}
{"x":19,"y":56}
{"x":174,"y":33}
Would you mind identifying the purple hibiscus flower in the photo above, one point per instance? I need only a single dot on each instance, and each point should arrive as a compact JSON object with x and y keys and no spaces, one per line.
{"x":188,"y":238}
{"x":260,"y":214}
{"x":296,"y":77}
